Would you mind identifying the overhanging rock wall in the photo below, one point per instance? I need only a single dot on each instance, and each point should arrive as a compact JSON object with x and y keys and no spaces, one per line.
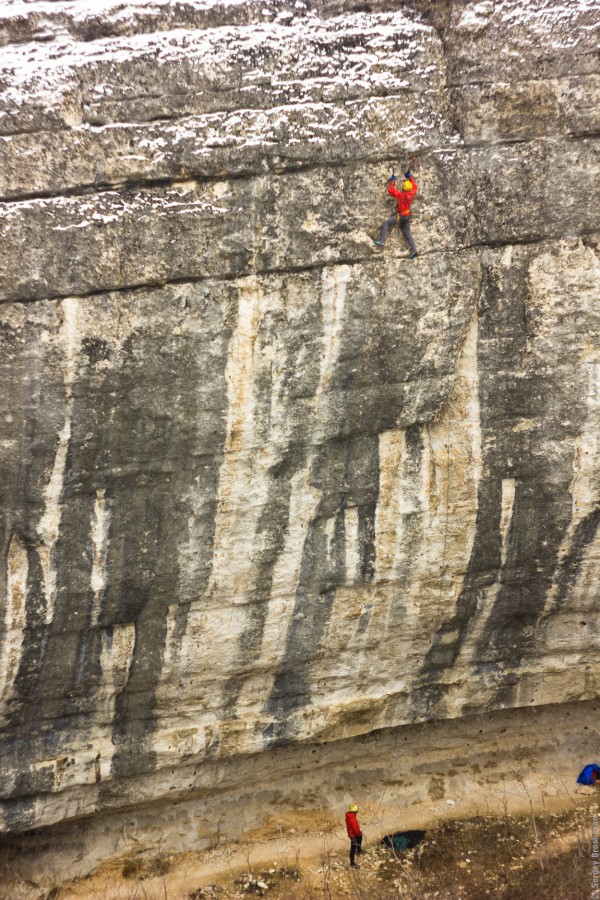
{"x":260,"y":486}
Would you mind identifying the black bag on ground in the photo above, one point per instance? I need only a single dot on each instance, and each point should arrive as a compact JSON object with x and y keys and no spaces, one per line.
{"x":403,"y":840}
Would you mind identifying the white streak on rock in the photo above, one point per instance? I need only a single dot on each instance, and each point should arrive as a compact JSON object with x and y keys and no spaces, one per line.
{"x":333,"y":300}
{"x":455,"y":442}
{"x":329,"y":533}
{"x":304,"y":498}
{"x":585,"y":487}
{"x":49,"y":525}
{"x":115,"y":662}
{"x":170,"y":657}
{"x":242,"y":486}
{"x":352,"y":544}
{"x":508,"y":500}
{"x":15,"y":617}
{"x":100,"y":526}
{"x":286,"y":575}
{"x":387,"y":518}
{"x":242,"y":494}
{"x":410,"y":562}
{"x":457,"y":446}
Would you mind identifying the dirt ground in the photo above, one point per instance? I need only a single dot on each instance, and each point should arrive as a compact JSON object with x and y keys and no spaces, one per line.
{"x":546,"y":857}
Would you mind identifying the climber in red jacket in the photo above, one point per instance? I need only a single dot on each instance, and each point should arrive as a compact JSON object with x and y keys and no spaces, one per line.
{"x":404,"y":198}
{"x":354,"y":832}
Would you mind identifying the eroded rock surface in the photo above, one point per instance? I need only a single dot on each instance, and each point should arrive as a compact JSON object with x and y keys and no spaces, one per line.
{"x":260,"y":486}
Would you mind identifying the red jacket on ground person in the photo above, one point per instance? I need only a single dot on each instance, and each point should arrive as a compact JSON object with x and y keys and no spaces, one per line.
{"x":352,"y":826}
{"x":404,"y":198}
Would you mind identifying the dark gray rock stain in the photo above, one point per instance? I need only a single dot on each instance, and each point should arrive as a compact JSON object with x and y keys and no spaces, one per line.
{"x":412,"y":522}
{"x":570,"y":565}
{"x":271,"y":531}
{"x":185,"y":443}
{"x":344,"y":471}
{"x":515,"y":386}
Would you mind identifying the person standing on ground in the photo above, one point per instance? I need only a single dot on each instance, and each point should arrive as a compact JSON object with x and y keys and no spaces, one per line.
{"x":354,"y":832}
{"x":404,"y":198}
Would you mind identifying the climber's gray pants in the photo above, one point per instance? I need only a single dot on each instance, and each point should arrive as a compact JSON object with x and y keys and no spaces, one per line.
{"x":404,"y":222}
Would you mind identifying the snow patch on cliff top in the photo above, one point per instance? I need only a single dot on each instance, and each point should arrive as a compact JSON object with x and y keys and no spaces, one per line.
{"x":305,"y":59}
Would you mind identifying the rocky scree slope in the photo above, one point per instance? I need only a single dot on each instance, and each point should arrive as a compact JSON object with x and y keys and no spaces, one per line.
{"x":259,"y":486}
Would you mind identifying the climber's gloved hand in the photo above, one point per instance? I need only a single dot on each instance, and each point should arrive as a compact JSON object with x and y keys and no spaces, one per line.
{"x":391,"y":179}
{"x":407,"y":173}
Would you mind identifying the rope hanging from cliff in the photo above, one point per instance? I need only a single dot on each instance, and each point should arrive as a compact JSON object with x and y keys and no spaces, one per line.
{"x":441,"y":578}
{"x":442,"y":571}
{"x":445,"y":546}
{"x":386,"y":782}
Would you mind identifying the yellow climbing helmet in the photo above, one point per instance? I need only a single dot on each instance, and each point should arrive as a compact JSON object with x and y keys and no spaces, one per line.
{"x":407,"y":185}
{"x":353,"y":807}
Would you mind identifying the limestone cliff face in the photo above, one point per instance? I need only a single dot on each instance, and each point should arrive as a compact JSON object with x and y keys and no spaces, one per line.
{"x":260,"y":486}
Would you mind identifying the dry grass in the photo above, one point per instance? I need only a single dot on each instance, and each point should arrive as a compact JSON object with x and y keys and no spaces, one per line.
{"x":546,"y":858}
{"x":509,"y":859}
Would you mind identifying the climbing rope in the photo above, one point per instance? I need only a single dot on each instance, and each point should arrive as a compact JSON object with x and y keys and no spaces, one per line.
{"x":440,"y":585}
{"x":386,"y":782}
{"x":440,"y":581}
{"x":447,"y":504}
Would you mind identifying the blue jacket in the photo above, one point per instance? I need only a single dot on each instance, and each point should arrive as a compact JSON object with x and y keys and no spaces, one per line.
{"x":586,"y":775}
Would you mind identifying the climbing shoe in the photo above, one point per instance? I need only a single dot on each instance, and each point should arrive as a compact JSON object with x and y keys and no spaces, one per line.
{"x":413,"y":254}
{"x":378,"y":245}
